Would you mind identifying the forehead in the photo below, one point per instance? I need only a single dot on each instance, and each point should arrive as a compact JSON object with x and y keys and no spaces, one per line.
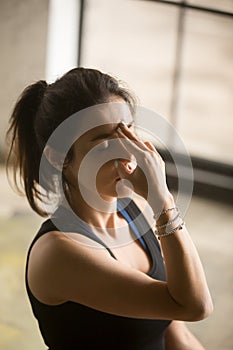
{"x":104,"y":117}
{"x":112,"y":113}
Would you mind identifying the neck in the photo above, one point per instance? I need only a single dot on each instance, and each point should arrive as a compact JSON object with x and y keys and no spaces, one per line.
{"x":101,"y":213}
{"x":106,"y":223}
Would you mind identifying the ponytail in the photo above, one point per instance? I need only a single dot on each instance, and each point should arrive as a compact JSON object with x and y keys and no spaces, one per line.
{"x":24,"y":148}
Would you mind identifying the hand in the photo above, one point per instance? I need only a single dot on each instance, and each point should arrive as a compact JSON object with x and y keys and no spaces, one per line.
{"x":148,"y":178}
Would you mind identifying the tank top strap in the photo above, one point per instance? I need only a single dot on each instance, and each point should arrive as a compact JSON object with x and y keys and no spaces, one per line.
{"x":126,"y":214}
{"x":139,"y":221}
{"x":64,"y":220}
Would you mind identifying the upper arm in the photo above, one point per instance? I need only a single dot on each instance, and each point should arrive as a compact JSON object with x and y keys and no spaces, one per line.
{"x":93,"y":278}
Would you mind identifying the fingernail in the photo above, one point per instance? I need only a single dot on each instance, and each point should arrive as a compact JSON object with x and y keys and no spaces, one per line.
{"x":123,"y":123}
{"x":119,"y":129}
{"x":116,"y":164}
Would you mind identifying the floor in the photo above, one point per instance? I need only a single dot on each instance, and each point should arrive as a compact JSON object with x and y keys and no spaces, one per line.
{"x":210,"y":225}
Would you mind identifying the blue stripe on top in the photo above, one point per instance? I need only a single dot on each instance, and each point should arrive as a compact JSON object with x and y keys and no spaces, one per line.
{"x":132,"y":225}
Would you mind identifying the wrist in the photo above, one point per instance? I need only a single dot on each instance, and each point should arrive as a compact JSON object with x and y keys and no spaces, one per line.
{"x":159,"y":206}
{"x":166,"y":211}
{"x":169,"y":202}
{"x":168,"y":220}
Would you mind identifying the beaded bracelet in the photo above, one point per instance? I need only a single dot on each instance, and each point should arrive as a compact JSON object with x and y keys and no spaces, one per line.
{"x":164,"y":212}
{"x":173,"y":225}
{"x":165,"y":234}
{"x":169,"y":222}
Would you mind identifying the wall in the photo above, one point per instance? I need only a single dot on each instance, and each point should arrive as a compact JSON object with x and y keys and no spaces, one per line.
{"x":23,"y":30}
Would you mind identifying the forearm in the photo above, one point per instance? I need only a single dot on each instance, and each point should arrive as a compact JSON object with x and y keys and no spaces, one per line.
{"x":185,"y":277}
{"x":186,"y":280}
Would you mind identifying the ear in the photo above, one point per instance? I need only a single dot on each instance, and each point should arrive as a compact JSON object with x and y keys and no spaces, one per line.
{"x":55,"y":158}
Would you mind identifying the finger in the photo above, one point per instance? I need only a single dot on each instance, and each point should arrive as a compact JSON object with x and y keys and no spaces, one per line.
{"x":121,"y":151}
{"x":133,"y":140}
{"x":132,"y":146}
{"x":125,"y":130}
{"x":144,"y":145}
{"x":149,"y":145}
{"x":123,"y":127}
{"x":152,"y":148}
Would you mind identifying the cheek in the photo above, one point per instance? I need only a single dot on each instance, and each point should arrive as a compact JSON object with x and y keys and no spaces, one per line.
{"x":72,"y":168}
{"x":107,"y":170}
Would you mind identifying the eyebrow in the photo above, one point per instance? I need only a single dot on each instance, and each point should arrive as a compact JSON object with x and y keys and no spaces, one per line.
{"x":106,"y":135}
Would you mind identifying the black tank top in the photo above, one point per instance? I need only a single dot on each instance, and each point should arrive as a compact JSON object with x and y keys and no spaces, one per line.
{"x":71,"y":326}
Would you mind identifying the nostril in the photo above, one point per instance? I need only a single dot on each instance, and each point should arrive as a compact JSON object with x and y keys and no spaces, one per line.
{"x":132,"y":165}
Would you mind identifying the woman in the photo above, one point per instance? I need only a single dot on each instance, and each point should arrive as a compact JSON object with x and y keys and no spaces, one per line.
{"x":85,"y":297}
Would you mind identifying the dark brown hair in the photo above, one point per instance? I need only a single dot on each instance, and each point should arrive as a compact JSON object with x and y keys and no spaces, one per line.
{"x":40,"y":109}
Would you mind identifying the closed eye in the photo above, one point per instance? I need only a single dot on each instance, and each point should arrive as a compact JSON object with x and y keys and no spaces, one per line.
{"x":110,"y":134}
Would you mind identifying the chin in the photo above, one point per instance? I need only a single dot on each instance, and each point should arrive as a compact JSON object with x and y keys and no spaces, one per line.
{"x":124,"y":188}
{"x":120,"y":190}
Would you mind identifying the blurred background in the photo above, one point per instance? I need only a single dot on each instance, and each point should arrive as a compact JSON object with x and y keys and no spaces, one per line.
{"x":177,"y":57}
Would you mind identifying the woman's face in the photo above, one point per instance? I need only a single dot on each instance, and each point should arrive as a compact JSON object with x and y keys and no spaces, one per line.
{"x":94,"y":153}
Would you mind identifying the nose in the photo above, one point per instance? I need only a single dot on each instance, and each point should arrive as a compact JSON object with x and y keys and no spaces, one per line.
{"x":121,"y":151}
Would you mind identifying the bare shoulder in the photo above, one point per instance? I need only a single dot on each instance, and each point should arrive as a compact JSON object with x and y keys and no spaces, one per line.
{"x":50,"y":254}
{"x":55,"y":245}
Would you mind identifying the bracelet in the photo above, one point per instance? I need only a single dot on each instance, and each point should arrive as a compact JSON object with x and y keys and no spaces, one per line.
{"x":164,"y":212}
{"x":165,"y":234}
{"x":175,"y":225}
{"x":169,"y":222}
